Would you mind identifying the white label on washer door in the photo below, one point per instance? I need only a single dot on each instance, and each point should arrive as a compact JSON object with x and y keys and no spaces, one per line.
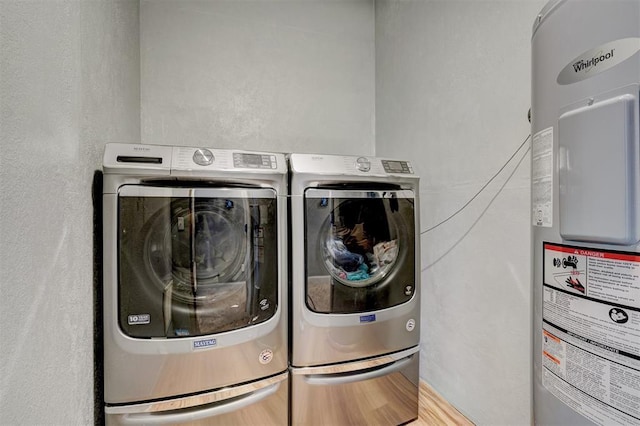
{"x":591,"y":332}
{"x":139,"y":319}
{"x":542,"y":178}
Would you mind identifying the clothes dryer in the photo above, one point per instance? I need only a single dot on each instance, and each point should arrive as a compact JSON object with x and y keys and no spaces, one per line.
{"x":195,"y":317}
{"x":355,"y":290}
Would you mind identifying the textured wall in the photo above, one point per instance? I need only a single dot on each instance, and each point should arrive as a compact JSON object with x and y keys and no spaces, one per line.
{"x":290,"y":76}
{"x":452,"y":83}
{"x":452,"y":94}
{"x":69,"y":82}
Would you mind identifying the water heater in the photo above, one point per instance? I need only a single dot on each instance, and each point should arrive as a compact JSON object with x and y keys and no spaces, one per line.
{"x":585,"y":198}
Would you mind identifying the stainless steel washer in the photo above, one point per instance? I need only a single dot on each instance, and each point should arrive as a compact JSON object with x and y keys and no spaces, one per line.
{"x":355,"y":290}
{"x":195,"y":317}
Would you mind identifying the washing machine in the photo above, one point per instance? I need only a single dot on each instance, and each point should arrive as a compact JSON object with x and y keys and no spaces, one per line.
{"x":355,"y":290}
{"x":195,"y":316}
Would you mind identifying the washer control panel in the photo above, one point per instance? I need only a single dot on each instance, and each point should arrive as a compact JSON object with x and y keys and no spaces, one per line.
{"x":203,"y":157}
{"x":392,"y":166}
{"x":254,"y":161}
{"x":203,"y":160}
{"x":188,"y":161}
{"x":347,"y":165}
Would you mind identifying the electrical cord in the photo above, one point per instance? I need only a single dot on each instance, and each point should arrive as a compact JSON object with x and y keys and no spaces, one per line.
{"x":486,"y":208}
{"x":479,"y":191}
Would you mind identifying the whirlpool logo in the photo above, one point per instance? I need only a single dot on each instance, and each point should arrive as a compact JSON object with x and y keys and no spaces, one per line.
{"x":588,"y":65}
{"x":599,"y":59}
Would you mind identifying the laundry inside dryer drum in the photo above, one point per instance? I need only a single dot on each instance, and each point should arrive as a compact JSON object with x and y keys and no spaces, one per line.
{"x":360,"y":244}
{"x":195,"y":266}
{"x":359,"y":250}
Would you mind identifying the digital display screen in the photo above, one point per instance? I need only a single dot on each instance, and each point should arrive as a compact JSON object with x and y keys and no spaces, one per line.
{"x":252,"y":159}
{"x":394,"y":166}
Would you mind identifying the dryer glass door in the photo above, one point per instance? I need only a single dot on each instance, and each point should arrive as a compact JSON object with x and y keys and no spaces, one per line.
{"x":360,"y":249}
{"x":195,"y":261}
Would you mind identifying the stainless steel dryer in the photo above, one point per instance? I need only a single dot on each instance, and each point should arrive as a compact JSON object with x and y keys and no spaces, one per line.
{"x":355,"y":290}
{"x":195,"y":317}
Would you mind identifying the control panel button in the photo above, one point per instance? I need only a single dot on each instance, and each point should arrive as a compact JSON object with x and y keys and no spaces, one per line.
{"x":203,"y":157}
{"x":363,"y":164}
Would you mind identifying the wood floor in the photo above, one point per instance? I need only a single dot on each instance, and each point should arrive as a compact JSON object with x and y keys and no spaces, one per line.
{"x":434,"y":410}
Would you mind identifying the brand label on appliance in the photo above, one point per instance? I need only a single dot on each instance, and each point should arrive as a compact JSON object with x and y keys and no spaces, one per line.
{"x":139,"y":319}
{"x":599,"y":59}
{"x":205,"y":343}
{"x":368,"y":318}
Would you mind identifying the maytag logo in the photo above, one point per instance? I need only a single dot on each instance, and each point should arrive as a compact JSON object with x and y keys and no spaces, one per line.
{"x":141,"y":148}
{"x":368,"y":318}
{"x":206,"y":343}
{"x":599,"y":59}
{"x":589,"y":64}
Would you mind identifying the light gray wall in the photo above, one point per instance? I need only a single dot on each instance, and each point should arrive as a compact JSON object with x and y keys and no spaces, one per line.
{"x":289,"y":76}
{"x":452,"y":95}
{"x":452,"y":83}
{"x":69,"y":82}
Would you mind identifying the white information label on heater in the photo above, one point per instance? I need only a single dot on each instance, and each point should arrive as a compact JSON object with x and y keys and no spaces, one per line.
{"x":542,"y":178}
{"x":591,"y":331}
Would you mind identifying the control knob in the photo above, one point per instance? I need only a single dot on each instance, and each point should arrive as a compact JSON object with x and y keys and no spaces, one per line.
{"x":363,"y":164}
{"x":203,"y":157}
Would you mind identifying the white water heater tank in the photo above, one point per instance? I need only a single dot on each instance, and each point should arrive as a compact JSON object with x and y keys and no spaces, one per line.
{"x":585,"y":197}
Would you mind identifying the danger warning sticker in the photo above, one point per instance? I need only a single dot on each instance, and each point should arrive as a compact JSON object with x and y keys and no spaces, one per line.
{"x":591,"y":331}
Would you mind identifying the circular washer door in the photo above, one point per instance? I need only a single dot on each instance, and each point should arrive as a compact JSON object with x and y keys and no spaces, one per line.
{"x":200,"y":245}
{"x":196,"y":261}
{"x":360,"y":242}
{"x":360,"y":249}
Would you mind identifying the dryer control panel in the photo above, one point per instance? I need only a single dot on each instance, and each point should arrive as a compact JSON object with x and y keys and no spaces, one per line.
{"x":326,"y":164}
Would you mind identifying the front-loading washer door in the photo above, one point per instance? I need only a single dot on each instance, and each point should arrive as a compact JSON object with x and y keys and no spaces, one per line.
{"x":195,"y":261}
{"x":359,"y":249}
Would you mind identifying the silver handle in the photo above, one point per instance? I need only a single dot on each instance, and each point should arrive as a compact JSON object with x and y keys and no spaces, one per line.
{"x":195,"y":414}
{"x":341,"y":379}
{"x":131,"y":190}
{"x":362,"y":193}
